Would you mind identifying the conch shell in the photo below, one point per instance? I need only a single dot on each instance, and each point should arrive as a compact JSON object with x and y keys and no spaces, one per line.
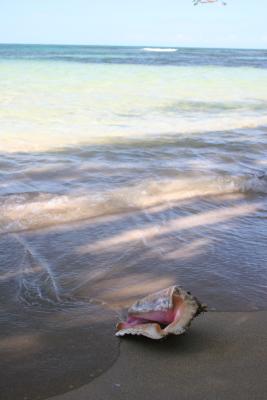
{"x":169,"y":311}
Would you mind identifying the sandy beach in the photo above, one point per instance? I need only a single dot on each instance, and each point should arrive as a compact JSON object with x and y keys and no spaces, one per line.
{"x":222,"y":357}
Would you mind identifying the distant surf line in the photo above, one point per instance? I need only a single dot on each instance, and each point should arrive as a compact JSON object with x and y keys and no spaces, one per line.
{"x":159,"y":49}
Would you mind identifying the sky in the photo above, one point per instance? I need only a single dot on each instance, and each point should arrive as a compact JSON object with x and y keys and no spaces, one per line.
{"x":239,"y":24}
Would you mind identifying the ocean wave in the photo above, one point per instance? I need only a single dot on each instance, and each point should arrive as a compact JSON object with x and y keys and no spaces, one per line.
{"x":37,"y":285}
{"x":24,"y":211}
{"x":160,"y":49}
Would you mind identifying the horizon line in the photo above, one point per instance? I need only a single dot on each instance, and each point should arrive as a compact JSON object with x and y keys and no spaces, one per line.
{"x":130,"y":45}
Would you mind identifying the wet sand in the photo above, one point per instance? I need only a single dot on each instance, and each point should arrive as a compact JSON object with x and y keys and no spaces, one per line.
{"x":62,"y":290}
{"x":51,"y":352}
{"x":223,"y":356}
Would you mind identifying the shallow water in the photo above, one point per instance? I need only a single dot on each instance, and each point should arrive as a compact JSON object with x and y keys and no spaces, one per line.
{"x":123,"y":171}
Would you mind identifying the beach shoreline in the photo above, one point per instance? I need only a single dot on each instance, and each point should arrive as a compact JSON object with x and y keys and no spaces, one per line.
{"x":126,"y":170}
{"x":223,"y":356}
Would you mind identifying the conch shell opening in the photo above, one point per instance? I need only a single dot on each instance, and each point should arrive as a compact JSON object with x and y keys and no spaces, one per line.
{"x":169,"y":311}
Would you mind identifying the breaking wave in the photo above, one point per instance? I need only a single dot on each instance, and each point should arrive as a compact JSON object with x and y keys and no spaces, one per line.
{"x":24,"y":211}
{"x":160,"y":49}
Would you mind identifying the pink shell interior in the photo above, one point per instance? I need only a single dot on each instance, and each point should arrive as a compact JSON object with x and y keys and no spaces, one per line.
{"x":160,"y":317}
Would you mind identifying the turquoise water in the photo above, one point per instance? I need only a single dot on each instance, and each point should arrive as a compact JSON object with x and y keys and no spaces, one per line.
{"x":48,"y":103}
{"x":173,"y":141}
{"x":137,"y":55}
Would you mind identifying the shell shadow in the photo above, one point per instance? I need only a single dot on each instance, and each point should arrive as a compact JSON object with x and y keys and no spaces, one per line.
{"x":194,"y":341}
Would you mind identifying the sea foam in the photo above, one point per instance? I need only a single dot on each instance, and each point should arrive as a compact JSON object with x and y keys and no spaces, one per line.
{"x":19,"y":212}
{"x":160,"y":49}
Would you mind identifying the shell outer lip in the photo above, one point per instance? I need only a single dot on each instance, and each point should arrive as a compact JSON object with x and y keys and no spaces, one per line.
{"x":191,"y":307}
